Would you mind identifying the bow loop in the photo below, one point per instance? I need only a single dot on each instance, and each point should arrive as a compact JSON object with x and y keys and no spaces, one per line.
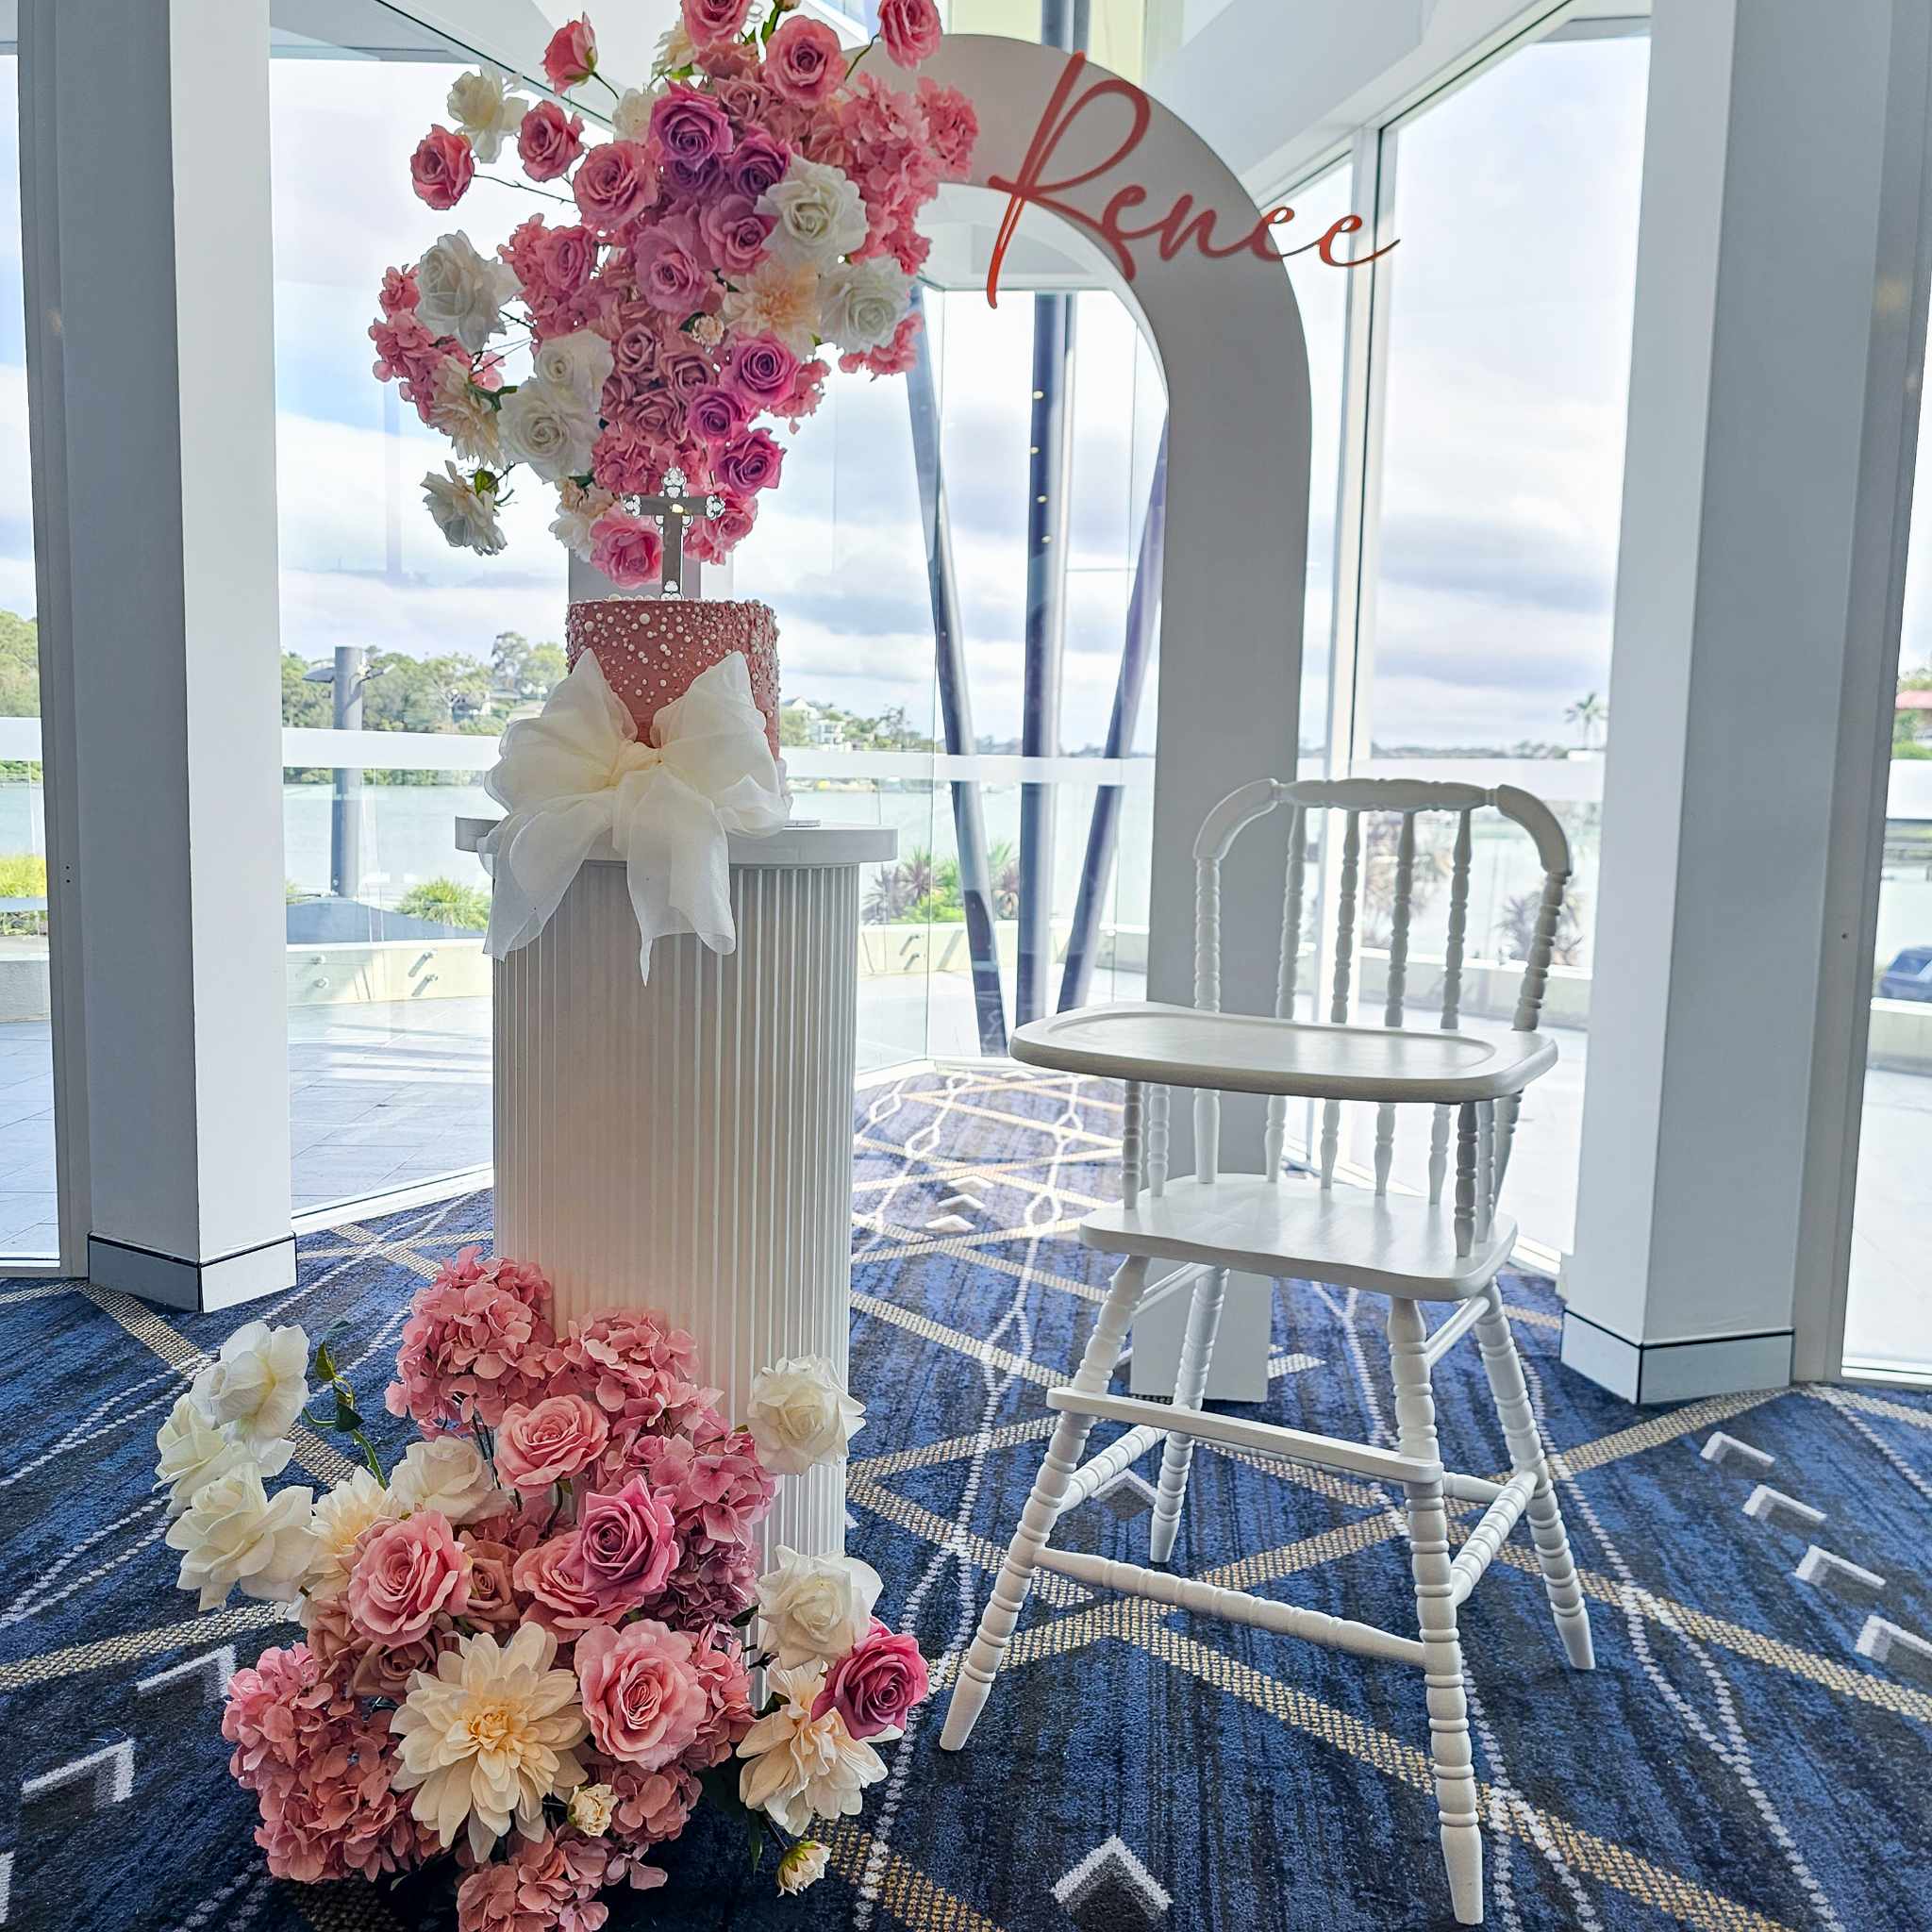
{"x":578,"y":771}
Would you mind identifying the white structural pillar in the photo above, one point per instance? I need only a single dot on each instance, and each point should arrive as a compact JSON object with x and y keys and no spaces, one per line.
{"x":1766,"y":492}
{"x":151,"y":353}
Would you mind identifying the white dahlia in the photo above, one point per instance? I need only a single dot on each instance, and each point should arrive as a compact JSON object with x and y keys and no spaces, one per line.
{"x":801,"y":1767}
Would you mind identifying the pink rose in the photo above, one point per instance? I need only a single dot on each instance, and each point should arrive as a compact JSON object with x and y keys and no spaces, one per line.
{"x":671,"y":276}
{"x":875,"y":1683}
{"x":642,"y":1699}
{"x":493,"y":1595}
{"x":689,"y":128}
{"x":761,"y":369}
{"x":749,"y":462}
{"x":626,"y":1544}
{"x":911,"y":29}
{"x":685,"y":372}
{"x":548,"y":1443}
{"x":571,"y":57}
{"x":637,"y":347}
{"x":803,"y":62}
{"x":549,"y":140}
{"x":707,"y":22}
{"x":757,"y":163}
{"x":716,"y":414}
{"x":617,"y":181}
{"x":734,"y":233}
{"x":547,"y":1574}
{"x":407,"y":1574}
{"x":441,"y":168}
{"x":627,"y":549}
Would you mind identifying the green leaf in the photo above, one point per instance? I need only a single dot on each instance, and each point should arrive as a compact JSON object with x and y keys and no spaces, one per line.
{"x":347,"y":1420}
{"x":325,"y":1367}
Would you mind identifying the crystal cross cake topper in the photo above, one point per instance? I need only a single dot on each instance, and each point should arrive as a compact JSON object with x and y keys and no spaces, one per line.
{"x":673,"y":509}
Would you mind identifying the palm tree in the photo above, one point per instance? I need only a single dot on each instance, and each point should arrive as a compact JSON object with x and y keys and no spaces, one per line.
{"x":1590,"y":714}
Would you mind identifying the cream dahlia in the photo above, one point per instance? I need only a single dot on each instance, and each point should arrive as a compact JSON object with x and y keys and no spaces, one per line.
{"x":489,"y":1737}
{"x":341,"y":1514}
{"x":802,"y":1767}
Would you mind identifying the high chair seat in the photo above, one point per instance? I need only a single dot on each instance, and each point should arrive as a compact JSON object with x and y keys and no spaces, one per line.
{"x":1246,"y":1053}
{"x":1392,"y":1243}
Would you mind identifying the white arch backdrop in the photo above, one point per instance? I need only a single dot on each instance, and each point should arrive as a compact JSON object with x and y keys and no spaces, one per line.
{"x":1228,"y":336}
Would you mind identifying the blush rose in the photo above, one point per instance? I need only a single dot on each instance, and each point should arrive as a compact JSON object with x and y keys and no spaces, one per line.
{"x":627,"y":1547}
{"x":642,"y":1699}
{"x":911,"y":29}
{"x":803,"y":62}
{"x":750,"y":463}
{"x":548,"y":1443}
{"x":571,"y":57}
{"x":627,"y":549}
{"x":707,"y":22}
{"x":617,"y":181}
{"x":407,"y":1574}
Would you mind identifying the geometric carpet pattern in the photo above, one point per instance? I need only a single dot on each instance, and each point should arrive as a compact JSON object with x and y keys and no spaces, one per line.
{"x":1753,"y":1751}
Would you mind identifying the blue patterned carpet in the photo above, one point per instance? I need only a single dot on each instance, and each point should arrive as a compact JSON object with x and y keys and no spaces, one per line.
{"x":1734,"y":1764}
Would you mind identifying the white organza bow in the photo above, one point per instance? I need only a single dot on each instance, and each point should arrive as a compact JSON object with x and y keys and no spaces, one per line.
{"x":577,"y":771}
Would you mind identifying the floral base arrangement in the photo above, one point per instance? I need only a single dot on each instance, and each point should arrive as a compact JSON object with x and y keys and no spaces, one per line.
{"x":529,"y":1647}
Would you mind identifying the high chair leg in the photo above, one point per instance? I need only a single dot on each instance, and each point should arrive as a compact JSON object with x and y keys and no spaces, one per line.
{"x":1428,"y":1537}
{"x":1063,"y":1453}
{"x":1190,"y":1387}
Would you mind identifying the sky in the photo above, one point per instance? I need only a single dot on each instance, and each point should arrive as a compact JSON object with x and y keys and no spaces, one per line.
{"x":1516,"y":201}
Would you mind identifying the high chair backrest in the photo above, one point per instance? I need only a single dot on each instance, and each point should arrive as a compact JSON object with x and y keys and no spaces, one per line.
{"x":1406,"y":800}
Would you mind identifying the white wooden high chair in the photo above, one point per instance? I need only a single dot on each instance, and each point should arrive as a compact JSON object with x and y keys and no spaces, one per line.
{"x":1192,"y":1232}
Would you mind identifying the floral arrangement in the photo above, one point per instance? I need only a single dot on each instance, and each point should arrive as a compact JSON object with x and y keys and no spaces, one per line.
{"x":528,"y":1647}
{"x":754,"y":210}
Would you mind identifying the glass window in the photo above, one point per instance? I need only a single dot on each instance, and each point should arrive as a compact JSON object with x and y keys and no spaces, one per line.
{"x":382,"y":625}
{"x":1484,"y":645}
{"x":1888,"y":1314}
{"x":28,"y":1201}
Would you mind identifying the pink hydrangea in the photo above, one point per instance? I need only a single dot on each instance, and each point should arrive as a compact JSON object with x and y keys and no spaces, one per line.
{"x":952,"y":125}
{"x":549,"y":1884}
{"x":653,"y":1807}
{"x":634,"y":1366}
{"x":399,"y":291}
{"x":717,"y":1661}
{"x":320,"y":1769}
{"x":407,"y":353}
{"x":475,"y":1343}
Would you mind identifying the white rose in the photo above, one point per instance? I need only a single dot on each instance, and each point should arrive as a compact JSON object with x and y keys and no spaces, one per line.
{"x":341,"y":1514}
{"x":234,"y":1532}
{"x":819,"y":212}
{"x":800,"y":1416}
{"x":464,"y":514}
{"x":460,"y":293}
{"x":631,"y":117}
{"x":463,"y":413}
{"x":258,"y":1383}
{"x":550,"y":428}
{"x":577,"y":508}
{"x":676,"y":50}
{"x":578,"y":363}
{"x":193,"y":1452}
{"x":592,"y":1808}
{"x":482,"y":106}
{"x":861,"y":304}
{"x":448,"y":1474}
{"x":812,"y":1607}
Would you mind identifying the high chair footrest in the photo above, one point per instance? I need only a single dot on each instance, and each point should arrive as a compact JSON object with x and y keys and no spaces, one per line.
{"x":1263,"y":1438}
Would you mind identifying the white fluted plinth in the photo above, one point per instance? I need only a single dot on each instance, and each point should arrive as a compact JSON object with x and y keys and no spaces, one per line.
{"x":686,"y":1146}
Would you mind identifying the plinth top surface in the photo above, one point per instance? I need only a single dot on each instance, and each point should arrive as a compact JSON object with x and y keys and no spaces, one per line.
{"x":793,"y":846}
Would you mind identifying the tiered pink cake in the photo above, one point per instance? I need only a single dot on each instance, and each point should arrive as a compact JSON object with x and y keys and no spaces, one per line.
{"x":651,"y":648}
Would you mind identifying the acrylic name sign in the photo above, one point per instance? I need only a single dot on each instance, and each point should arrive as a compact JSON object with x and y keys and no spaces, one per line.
{"x":1181,"y":225}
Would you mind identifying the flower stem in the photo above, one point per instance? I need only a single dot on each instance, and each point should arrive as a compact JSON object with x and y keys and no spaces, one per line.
{"x":543,"y":194}
{"x":605,"y":85}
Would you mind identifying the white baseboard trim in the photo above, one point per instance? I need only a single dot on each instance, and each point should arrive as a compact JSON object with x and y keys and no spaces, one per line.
{"x":171,"y":1281}
{"x":1655,"y":1371}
